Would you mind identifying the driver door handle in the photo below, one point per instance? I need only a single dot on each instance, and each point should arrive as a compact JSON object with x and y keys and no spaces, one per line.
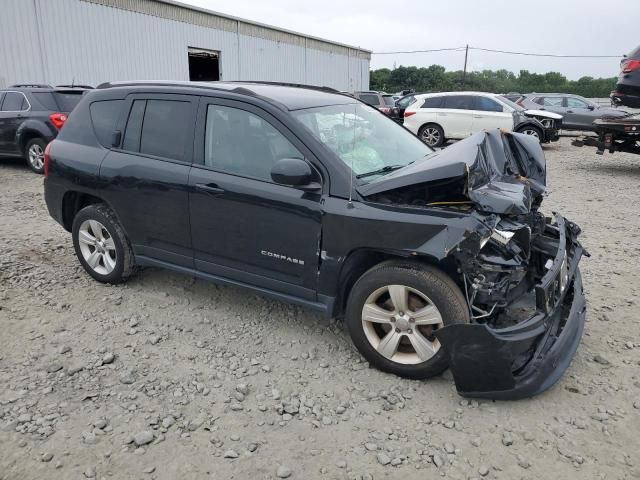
{"x":210,"y":188}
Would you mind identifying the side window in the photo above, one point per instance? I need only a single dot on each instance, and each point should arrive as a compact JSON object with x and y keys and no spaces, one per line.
{"x":369,"y":99}
{"x":242,"y":143}
{"x":433,"y":102}
{"x":165,"y":128}
{"x":104,"y":116}
{"x":575,"y":103}
{"x":406,"y":101}
{"x":458,"y":102}
{"x":132,"y":131}
{"x":487,"y":105}
{"x":551,"y":101}
{"x":14,"y":102}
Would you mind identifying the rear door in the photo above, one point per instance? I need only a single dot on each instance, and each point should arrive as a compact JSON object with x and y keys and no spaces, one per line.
{"x":488,"y":114}
{"x":578,"y":114}
{"x":244,"y":226}
{"x":13,"y":111}
{"x":456,"y":116}
{"x":145,"y":177}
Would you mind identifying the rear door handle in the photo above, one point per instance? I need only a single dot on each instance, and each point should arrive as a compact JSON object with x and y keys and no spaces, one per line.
{"x":210,"y":188}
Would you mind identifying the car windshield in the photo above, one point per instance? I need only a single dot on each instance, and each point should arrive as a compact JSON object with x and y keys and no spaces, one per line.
{"x":513,"y":105}
{"x":389,"y":101}
{"x":363,"y":139}
{"x":67,"y":100}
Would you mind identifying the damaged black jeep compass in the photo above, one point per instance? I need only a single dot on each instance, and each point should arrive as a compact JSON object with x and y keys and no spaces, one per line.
{"x":435,"y":259}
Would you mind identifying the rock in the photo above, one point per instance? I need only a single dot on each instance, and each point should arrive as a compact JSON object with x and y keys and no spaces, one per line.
{"x":341,"y":464}
{"x":283,"y":472}
{"x":168,"y":421}
{"x":100,"y":423}
{"x":601,"y":360}
{"x":24,"y":418}
{"x":438,"y":461}
{"x":154,"y":339}
{"x":46,"y":457}
{"x":507,"y":439}
{"x":523,"y":462}
{"x":128,"y":376}
{"x":143,"y":438}
{"x":108,"y":358}
{"x":243,"y":388}
{"x":195,"y":424}
{"x":53,"y":367}
{"x":483,"y":471}
{"x":64,"y":349}
{"x":73,"y":369}
{"x":231,"y":454}
{"x":89,"y":438}
{"x":90,"y":472}
{"x":149,"y":470}
{"x":383,"y":458}
{"x":449,"y":448}
{"x":372,"y":447}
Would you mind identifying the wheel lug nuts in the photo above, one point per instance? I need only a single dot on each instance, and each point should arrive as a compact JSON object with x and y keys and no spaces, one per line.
{"x":393,"y":319}
{"x":401,"y":313}
{"x":409,"y":331}
{"x":397,"y":330}
{"x":412,"y":320}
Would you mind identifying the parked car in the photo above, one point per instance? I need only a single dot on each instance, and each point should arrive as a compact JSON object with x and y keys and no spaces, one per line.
{"x":578,"y":113}
{"x":380,"y":100}
{"x":627,"y":92}
{"x":437,"y":117}
{"x":311,"y":197}
{"x":403,"y":103}
{"x":31,"y":116}
{"x":515,"y":97}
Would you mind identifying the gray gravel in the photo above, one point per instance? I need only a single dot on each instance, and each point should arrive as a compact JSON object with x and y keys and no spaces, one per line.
{"x":167,"y":377}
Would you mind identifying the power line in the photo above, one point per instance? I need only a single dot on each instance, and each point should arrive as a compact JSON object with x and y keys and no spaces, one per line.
{"x":529,"y":54}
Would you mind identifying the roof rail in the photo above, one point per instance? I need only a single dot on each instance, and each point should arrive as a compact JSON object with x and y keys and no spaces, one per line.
{"x":30,"y":85}
{"x":286,"y":84}
{"x":76,"y":85}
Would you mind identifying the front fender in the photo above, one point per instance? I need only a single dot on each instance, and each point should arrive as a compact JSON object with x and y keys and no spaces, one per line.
{"x":34,"y":128}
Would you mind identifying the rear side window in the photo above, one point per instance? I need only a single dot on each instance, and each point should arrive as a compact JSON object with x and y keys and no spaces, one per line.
{"x":389,"y":101}
{"x":488,"y":105}
{"x":165,"y":128}
{"x":549,"y":101}
{"x":369,"y":99}
{"x":433,"y":102}
{"x":459,"y":102}
{"x":104,"y":117}
{"x":14,"y":102}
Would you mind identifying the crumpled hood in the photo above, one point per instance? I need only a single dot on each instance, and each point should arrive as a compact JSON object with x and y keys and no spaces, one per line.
{"x":502,"y":173}
{"x":542,"y":113}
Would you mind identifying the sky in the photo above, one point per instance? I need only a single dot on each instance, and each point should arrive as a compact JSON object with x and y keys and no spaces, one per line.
{"x":568,"y":27}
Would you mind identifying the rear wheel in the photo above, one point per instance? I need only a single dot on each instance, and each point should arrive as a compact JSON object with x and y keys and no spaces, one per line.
{"x":101,"y":244}
{"x":432,"y":135}
{"x":393,"y":311}
{"x":34,"y":154}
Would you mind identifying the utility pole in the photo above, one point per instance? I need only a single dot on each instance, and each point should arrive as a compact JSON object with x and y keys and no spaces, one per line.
{"x":464,"y":73}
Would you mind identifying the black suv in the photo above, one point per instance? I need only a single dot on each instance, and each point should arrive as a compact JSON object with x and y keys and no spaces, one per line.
{"x":30,"y":117}
{"x":434,"y":259}
{"x":627,"y":92}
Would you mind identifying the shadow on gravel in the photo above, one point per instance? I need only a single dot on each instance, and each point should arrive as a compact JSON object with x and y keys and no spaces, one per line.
{"x":612,"y":168}
{"x":13,"y":164}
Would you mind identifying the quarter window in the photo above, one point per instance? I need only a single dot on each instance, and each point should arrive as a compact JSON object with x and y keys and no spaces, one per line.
{"x":487,"y":105}
{"x":369,"y":99}
{"x":432,"y":102}
{"x":104,"y":116}
{"x":242,"y":143}
{"x":14,"y":102}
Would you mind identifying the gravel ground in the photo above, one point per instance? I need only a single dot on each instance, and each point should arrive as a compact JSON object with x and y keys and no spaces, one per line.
{"x":169,"y":377}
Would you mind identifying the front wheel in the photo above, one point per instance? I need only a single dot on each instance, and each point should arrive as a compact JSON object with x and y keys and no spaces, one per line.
{"x":101,"y":244}
{"x":531,"y":130}
{"x":34,"y":154}
{"x":393,"y":311}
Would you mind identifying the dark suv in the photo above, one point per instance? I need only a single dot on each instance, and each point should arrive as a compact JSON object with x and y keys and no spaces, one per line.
{"x":31,"y":116}
{"x":627,"y":92}
{"x":313,"y":197}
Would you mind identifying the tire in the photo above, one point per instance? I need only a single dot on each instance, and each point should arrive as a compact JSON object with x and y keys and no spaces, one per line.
{"x":112,"y":258}
{"x":34,"y":154}
{"x":533,"y":131}
{"x":441,"y":293}
{"x":432,"y":134}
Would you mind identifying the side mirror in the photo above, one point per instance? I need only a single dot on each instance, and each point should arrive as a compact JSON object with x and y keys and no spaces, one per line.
{"x":591,"y":107}
{"x":294,"y":172}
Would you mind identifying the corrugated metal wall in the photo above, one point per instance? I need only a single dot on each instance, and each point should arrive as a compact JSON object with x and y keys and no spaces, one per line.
{"x":60,"y":41}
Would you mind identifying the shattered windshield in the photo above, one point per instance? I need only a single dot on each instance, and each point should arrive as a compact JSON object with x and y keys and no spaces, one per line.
{"x":363,"y":139}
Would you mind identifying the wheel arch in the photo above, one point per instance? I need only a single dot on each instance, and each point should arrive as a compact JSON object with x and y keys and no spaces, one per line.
{"x":29,"y":130}
{"x":73,"y":201}
{"x":361,"y":260}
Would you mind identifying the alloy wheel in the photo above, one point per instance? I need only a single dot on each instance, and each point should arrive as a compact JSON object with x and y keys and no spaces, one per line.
{"x":36,"y":156}
{"x":97,"y":247}
{"x":399,"y":322}
{"x":531,"y":131}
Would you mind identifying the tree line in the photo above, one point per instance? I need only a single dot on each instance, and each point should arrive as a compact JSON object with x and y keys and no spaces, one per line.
{"x":437,"y":79}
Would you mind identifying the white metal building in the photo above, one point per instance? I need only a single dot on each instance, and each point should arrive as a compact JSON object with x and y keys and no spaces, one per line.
{"x":94,"y":41}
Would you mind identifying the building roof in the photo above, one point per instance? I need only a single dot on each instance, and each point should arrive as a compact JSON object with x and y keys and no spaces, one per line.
{"x":181,"y":12}
{"x":287,"y":96}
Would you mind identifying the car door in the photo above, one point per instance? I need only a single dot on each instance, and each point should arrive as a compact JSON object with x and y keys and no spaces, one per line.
{"x":578,"y":114}
{"x":13,"y":109}
{"x":488,"y":114}
{"x":244,"y":226}
{"x":145,"y":177}
{"x":456,"y":116}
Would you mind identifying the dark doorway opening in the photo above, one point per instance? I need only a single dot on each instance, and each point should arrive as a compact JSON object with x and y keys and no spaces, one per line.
{"x":204,"y":65}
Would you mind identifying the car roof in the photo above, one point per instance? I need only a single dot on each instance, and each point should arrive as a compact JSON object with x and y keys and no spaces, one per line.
{"x":289,"y":96}
{"x":435,"y":94}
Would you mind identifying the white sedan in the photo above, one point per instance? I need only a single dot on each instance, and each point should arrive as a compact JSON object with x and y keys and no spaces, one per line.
{"x":437,"y":117}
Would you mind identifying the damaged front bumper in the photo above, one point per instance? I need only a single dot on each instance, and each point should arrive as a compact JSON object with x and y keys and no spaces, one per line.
{"x":529,"y":357}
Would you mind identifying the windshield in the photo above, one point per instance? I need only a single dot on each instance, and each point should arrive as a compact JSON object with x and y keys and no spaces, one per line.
{"x":66,"y":100}
{"x":513,"y":105}
{"x":389,"y":101}
{"x":362,"y":138}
